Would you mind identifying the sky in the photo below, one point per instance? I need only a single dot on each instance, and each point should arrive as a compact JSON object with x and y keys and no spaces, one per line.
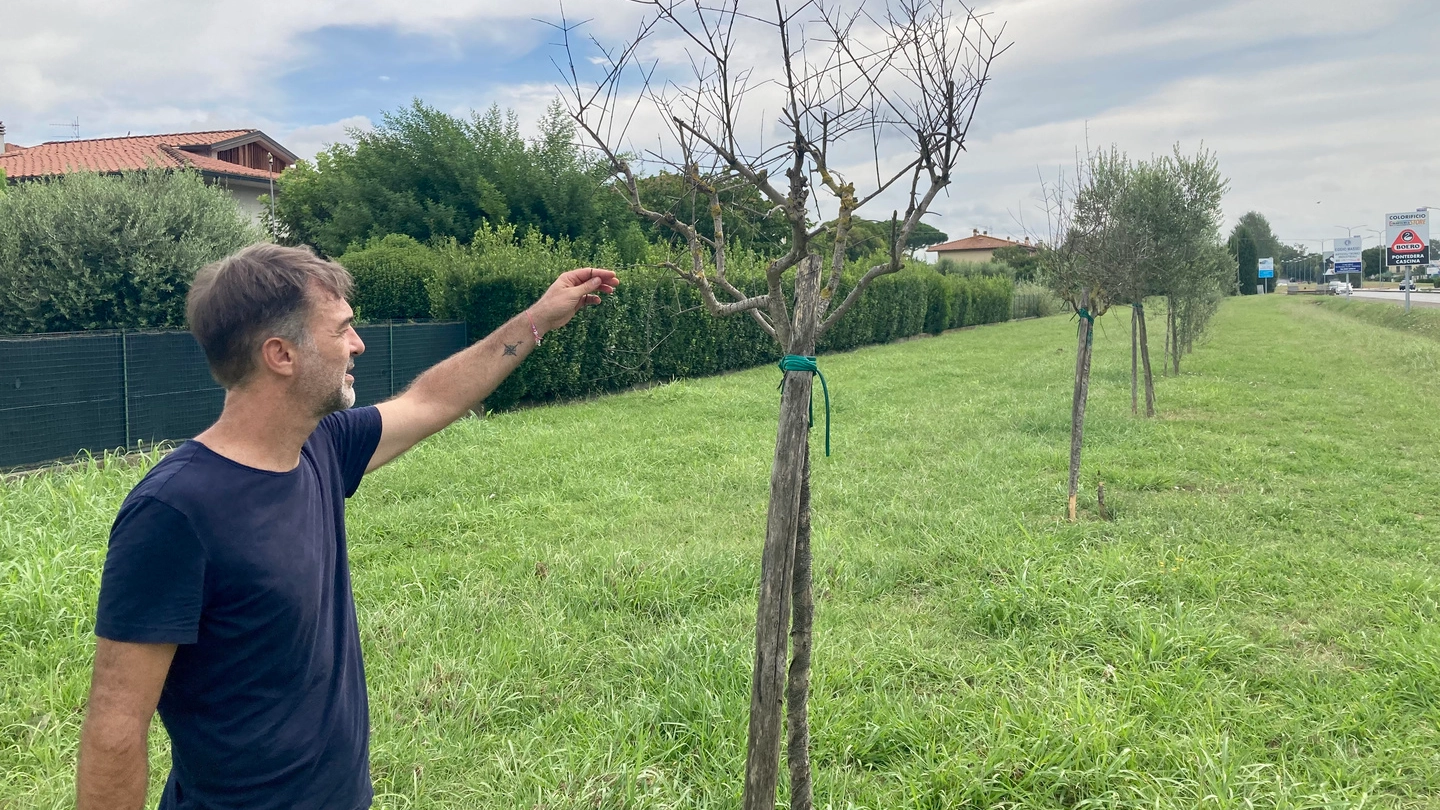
{"x":1323,"y":113}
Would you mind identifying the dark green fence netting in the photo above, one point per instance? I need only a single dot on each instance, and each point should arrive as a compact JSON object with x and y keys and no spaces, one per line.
{"x":62,"y":395}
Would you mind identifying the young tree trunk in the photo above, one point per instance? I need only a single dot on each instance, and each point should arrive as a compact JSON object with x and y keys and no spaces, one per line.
{"x":1145,"y":361}
{"x":1165,"y":358}
{"x":797,"y":691}
{"x":772,"y":619}
{"x":1174,"y":338}
{"x":1134,"y":359}
{"x":1082,"y":393}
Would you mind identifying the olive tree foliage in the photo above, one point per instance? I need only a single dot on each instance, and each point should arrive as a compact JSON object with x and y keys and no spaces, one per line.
{"x":1125,"y":231}
{"x":858,"y":105}
{"x":1093,"y":250}
{"x":89,"y":251}
{"x":1174,"y":207}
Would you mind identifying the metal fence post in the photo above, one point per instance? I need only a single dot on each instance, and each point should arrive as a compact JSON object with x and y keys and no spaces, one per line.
{"x":125,"y":382}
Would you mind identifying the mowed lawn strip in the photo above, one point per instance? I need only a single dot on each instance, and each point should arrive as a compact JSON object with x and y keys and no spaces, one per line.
{"x":557,"y":604}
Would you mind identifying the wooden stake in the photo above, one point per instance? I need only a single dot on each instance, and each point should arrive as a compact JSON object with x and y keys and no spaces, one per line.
{"x":1134,"y":359}
{"x":797,"y":690}
{"x":1145,"y":361}
{"x":1077,"y":404}
{"x":772,"y":615}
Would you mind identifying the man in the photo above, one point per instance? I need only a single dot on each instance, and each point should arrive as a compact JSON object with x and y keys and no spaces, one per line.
{"x":225,"y":599}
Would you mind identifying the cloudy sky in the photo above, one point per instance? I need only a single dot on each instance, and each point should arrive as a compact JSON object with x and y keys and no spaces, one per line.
{"x":1323,"y":113}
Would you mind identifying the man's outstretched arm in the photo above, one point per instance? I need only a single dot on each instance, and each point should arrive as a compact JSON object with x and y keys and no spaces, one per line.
{"x":455,"y":385}
{"x":124,"y":691}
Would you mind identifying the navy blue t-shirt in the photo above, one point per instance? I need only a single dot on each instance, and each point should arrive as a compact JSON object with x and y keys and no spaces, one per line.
{"x":246,"y":571}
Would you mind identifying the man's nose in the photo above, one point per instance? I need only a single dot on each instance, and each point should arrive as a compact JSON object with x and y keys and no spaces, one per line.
{"x":357,"y":346}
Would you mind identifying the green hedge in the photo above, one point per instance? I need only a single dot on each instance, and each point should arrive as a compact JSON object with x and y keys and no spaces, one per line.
{"x":655,"y":327}
{"x":391,"y":274}
{"x":90,"y":251}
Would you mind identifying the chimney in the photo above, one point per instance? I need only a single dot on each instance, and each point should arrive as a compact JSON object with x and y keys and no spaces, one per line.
{"x":1027,"y":240}
{"x":974,"y":231}
{"x":987,"y":233}
{"x":2,"y":137}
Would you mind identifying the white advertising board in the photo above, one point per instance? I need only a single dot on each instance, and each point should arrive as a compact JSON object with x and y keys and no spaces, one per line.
{"x":1347,"y":255}
{"x":1407,"y":236}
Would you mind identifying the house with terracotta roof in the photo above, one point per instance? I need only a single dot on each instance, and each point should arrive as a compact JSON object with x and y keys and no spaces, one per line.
{"x":979,"y":247}
{"x":244,"y":162}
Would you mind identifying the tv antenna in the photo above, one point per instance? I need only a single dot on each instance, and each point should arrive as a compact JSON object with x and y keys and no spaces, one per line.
{"x":73,"y":126}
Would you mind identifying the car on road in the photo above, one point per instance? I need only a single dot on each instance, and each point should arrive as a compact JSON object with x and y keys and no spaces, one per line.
{"x":1407,"y":285}
{"x":1341,"y":288}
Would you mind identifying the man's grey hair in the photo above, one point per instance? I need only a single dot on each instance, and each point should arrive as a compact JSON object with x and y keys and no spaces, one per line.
{"x":239,"y":302}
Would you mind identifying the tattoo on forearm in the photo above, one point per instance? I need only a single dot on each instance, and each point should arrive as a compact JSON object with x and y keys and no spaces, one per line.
{"x":512,"y":349}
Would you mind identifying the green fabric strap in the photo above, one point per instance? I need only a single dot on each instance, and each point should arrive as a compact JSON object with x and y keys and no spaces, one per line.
{"x":1085,"y":313}
{"x":799,"y":362}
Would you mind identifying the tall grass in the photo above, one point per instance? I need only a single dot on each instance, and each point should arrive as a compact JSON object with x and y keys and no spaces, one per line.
{"x":557,"y":604}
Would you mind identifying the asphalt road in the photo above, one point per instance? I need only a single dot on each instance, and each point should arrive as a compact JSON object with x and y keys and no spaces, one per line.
{"x":1417,"y":299}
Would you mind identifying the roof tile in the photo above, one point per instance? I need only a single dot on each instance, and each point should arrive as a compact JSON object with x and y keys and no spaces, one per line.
{"x":123,"y":154}
{"x":978,"y":242}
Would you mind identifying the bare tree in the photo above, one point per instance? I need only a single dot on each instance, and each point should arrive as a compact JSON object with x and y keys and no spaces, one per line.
{"x":848,"y":90}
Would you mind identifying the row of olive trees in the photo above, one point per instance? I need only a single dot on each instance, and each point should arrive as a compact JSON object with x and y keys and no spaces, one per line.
{"x":1127,"y":231}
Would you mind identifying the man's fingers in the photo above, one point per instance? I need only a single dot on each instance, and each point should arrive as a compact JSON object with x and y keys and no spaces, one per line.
{"x":582,"y":274}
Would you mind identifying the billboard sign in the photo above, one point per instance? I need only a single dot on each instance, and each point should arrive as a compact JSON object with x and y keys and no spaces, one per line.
{"x":1267,"y":268}
{"x":1408,"y":237}
{"x":1347,"y":255}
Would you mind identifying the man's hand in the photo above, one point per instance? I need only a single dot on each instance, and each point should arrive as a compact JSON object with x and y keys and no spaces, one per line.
{"x":571,"y":292}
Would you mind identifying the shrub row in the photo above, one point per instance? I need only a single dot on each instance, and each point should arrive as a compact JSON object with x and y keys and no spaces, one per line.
{"x":655,"y":326}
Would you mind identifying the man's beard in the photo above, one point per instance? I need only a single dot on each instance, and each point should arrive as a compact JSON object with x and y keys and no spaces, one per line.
{"x":338,"y":400}
{"x":328,"y":397}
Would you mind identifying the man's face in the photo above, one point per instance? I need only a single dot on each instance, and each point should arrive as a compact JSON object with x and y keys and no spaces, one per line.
{"x":325,"y":383}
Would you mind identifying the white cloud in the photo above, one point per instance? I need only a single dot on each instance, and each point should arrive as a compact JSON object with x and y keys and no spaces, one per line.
{"x":1319,"y":123}
{"x":308,"y":141}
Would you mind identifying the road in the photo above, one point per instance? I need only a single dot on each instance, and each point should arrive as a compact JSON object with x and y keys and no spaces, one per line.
{"x":1417,"y":299}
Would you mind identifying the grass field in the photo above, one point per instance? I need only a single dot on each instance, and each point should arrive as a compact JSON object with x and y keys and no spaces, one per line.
{"x":557,"y":605}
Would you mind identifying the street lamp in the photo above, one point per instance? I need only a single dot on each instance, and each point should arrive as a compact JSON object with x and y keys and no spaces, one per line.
{"x":1349,"y":230}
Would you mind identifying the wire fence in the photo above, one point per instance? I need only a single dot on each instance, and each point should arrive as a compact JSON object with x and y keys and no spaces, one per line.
{"x":62,"y":395}
{"x":1026,"y":305}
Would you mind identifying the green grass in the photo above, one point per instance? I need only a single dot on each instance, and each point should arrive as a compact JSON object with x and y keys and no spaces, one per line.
{"x":557,"y":605}
{"x":1419,"y":320}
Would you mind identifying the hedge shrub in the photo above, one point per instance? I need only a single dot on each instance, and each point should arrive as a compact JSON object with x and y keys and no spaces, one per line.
{"x":89,"y":251}
{"x":391,"y":277}
{"x":655,"y":327}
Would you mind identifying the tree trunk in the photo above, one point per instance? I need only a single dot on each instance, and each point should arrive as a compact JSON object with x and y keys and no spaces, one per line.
{"x":797,"y":691}
{"x":1145,"y":361}
{"x":1174,"y":337}
{"x":1082,"y":393}
{"x":772,"y":619}
{"x":1134,"y":359}
{"x":1165,"y":358}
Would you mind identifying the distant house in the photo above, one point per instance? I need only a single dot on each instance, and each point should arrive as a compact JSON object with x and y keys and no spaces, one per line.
{"x":244,"y":162}
{"x":979,"y":247}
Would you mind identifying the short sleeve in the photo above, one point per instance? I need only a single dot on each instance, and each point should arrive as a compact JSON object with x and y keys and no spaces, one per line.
{"x":153,"y":586}
{"x":354,"y":433}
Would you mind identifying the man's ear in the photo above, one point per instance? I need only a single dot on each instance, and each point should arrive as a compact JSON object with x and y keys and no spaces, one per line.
{"x":279,"y":356}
